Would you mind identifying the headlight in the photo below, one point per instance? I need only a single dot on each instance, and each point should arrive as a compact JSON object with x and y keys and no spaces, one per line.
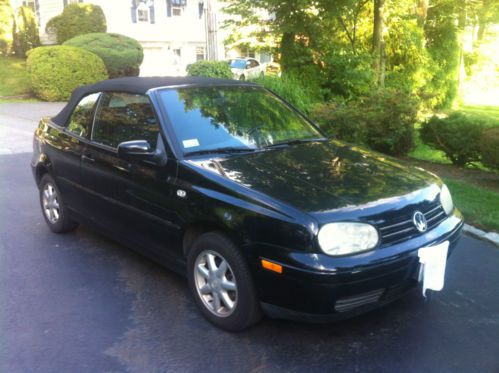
{"x":446,"y":200}
{"x":347,"y":238}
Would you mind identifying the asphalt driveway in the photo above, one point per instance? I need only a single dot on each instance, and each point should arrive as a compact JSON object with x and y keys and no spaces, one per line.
{"x":81,"y":303}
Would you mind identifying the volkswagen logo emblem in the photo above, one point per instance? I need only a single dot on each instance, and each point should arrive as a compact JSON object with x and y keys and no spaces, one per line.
{"x":419,"y":221}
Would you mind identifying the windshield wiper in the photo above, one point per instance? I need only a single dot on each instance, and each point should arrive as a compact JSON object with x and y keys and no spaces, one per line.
{"x":293,"y":142}
{"x":227,"y":150}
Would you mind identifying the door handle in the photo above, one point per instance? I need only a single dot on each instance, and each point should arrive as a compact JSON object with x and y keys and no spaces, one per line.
{"x":86,"y":158}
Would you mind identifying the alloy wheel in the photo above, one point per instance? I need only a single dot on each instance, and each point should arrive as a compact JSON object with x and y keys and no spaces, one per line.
{"x":215,"y":283}
{"x":50,"y":203}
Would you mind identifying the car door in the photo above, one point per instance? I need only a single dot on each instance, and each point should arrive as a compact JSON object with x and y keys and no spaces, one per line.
{"x":66,"y":153}
{"x":131,"y":198}
{"x":254,"y":69}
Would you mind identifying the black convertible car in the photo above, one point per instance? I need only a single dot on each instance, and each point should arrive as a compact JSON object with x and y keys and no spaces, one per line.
{"x":229,"y":185}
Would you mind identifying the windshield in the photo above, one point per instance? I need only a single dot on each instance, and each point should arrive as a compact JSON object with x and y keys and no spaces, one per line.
{"x":237,"y":64}
{"x":240,"y":117}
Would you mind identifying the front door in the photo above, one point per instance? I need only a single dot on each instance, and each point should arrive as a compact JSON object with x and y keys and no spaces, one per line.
{"x":130,"y":198}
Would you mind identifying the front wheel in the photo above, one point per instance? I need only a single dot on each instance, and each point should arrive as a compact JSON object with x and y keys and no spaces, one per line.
{"x":242,"y":78}
{"x":53,"y":208}
{"x":221,"y":283}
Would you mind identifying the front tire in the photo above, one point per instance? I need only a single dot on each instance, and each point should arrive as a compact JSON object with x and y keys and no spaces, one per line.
{"x":221,"y":283}
{"x":53,"y":208}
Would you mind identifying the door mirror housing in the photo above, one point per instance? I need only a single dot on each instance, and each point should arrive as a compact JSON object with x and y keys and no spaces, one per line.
{"x":136,"y":150}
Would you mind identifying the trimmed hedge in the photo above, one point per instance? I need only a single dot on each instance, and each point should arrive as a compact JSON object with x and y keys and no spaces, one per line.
{"x":121,"y":55}
{"x":489,"y":147}
{"x":457,"y":135}
{"x":210,"y":69}
{"x":77,"y":19}
{"x":54,"y":72}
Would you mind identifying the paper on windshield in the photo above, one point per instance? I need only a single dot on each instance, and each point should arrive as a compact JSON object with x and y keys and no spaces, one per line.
{"x":432,"y":270}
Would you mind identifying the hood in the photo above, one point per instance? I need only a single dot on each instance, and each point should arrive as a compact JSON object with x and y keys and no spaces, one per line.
{"x":322,"y":176}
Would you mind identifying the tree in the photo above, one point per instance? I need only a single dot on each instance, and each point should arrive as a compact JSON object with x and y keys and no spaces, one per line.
{"x":25,"y":32}
{"x":6,"y":26}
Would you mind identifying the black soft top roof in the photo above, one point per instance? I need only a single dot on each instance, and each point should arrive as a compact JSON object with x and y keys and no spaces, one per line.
{"x":134,"y":85}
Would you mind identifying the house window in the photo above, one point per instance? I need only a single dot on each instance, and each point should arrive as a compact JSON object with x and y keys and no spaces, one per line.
{"x":143,"y":11}
{"x":30,"y":4}
{"x":177,"y":52}
{"x":67,"y":2}
{"x":175,"y":8}
{"x":200,"y":54}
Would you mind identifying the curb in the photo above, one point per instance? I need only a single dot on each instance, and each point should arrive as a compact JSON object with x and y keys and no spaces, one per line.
{"x":488,"y":236}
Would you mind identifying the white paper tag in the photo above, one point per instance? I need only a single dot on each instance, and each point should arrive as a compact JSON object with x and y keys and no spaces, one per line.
{"x":432,"y":271}
{"x":191,"y":143}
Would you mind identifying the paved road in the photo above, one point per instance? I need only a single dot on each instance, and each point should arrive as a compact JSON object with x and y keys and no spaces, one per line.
{"x":81,"y":303}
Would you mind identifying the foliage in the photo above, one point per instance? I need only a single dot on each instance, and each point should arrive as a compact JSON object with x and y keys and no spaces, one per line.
{"x":457,"y":136}
{"x":210,"y":69}
{"x":489,"y":148}
{"x":292,"y":90}
{"x":121,"y":55}
{"x":77,"y":19}
{"x":383,"y":121}
{"x":25,"y":32}
{"x":13,"y":78}
{"x":6,"y":26}
{"x":54,"y":72}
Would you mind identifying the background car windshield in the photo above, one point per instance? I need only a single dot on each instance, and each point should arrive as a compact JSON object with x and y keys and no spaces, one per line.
{"x":206,"y":118}
{"x":237,"y":64}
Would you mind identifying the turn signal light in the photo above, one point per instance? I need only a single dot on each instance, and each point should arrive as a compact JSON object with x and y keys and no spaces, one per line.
{"x":271,"y":266}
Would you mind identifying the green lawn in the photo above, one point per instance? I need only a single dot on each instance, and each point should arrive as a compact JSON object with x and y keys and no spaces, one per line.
{"x":13,"y":77}
{"x":479,"y":206}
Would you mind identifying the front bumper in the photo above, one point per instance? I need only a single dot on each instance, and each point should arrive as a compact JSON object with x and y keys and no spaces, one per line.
{"x":317,"y":287}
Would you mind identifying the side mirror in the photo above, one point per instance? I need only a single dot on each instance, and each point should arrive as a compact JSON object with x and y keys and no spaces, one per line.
{"x":135,"y":150}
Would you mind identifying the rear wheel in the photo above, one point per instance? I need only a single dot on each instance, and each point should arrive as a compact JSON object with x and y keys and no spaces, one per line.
{"x":53,"y":208}
{"x":221,"y":283}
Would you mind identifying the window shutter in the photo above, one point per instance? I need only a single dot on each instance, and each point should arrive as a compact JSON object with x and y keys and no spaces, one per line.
{"x":200,"y":9}
{"x":64,"y":3}
{"x":168,"y":8}
{"x":134,"y":11}
{"x":151,"y":13}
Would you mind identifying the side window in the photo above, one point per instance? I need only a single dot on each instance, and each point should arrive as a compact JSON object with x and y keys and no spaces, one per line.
{"x":124,"y":117}
{"x":254,"y":63}
{"x":81,"y":119}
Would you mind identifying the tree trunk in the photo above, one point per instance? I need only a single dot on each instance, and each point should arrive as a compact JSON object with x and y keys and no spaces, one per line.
{"x":422,"y":11}
{"x":378,"y":46}
{"x":287,"y":50}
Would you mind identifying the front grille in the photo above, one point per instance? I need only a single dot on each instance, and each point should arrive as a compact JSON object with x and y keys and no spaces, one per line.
{"x":402,"y":228}
{"x":349,"y":303}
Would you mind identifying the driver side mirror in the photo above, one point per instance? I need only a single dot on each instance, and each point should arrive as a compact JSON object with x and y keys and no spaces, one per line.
{"x":136,"y":150}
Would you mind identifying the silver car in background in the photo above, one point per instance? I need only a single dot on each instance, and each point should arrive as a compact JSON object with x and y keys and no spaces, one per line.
{"x":246,"y":68}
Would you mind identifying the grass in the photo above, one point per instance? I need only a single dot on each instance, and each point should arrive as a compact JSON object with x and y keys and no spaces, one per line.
{"x":479,"y":206}
{"x":13,"y":77}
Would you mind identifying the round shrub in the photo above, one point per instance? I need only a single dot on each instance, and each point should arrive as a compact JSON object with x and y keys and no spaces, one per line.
{"x":457,"y":135}
{"x":489,"y":147}
{"x":77,"y":19}
{"x":121,"y":55}
{"x":210,"y":69}
{"x":54,"y":72}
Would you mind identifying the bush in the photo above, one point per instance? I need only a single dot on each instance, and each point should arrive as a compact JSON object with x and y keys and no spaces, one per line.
{"x":489,"y":147}
{"x":54,"y":72}
{"x":457,"y":136}
{"x":210,"y":69}
{"x":26,"y":32}
{"x":291,"y":90}
{"x":6,"y":25}
{"x":121,"y":55}
{"x":77,"y":19}
{"x":384,"y":121}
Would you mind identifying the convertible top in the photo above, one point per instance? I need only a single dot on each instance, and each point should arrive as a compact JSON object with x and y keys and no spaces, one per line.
{"x":134,"y":85}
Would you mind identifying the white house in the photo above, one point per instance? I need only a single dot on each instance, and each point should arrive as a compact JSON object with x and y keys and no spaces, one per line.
{"x":173,"y":33}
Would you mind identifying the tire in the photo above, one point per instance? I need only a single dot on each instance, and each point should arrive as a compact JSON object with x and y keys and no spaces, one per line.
{"x":246,"y":308}
{"x":242,"y":78}
{"x":54,"y":211}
